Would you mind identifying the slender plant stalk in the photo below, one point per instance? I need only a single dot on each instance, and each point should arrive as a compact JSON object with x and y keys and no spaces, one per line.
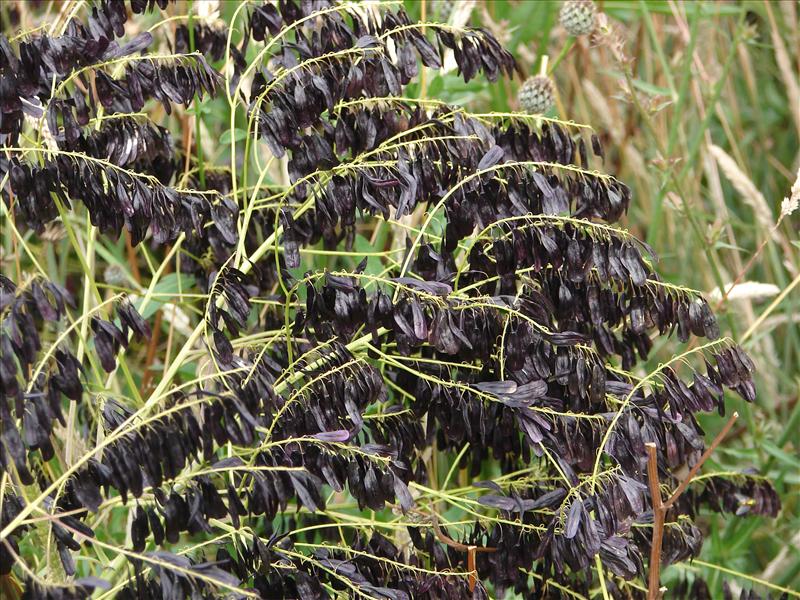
{"x":654,"y":589}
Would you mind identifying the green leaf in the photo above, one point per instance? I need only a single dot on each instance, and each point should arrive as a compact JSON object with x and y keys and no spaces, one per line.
{"x":780,"y":455}
{"x":724,"y":245}
{"x":649,"y":88}
{"x":166,"y":290}
{"x":238,"y":135}
{"x":436,"y":87}
{"x":200,"y":108}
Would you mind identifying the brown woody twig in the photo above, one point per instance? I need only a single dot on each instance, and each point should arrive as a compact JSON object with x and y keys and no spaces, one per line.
{"x":470,"y":550}
{"x":654,"y":589}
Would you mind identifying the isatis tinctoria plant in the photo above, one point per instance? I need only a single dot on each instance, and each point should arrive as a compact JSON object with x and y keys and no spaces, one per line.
{"x":277,"y":324}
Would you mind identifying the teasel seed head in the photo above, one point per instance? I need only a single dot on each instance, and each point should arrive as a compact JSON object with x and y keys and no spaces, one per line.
{"x":537,"y":94}
{"x":578,"y":17}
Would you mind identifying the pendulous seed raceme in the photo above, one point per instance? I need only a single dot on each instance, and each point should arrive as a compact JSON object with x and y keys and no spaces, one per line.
{"x":307,"y":334}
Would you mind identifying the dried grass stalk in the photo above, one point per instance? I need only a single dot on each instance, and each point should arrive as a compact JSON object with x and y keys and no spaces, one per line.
{"x":751,"y":195}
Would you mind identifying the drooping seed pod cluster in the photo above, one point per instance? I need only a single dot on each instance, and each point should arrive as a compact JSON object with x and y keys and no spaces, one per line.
{"x":375,"y":345}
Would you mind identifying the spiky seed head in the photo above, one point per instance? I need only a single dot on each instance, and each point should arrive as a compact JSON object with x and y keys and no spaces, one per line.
{"x":537,"y":94}
{"x":578,"y":17}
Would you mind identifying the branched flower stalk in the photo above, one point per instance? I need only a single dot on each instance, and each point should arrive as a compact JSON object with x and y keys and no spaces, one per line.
{"x":402,"y":349}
